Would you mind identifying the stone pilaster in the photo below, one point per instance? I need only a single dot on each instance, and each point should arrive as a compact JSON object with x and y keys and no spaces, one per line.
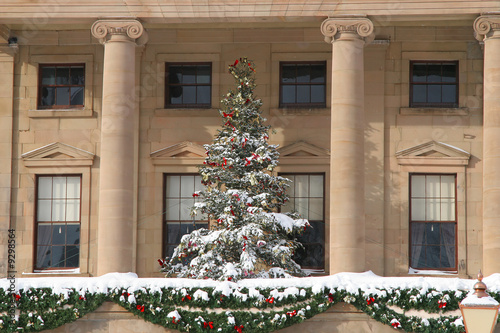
{"x":115,"y":249}
{"x":348,"y":36}
{"x":487,"y":29}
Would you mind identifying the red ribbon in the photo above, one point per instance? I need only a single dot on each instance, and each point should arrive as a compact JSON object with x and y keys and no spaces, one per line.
{"x":292,"y":313}
{"x":395,"y":324}
{"x":239,"y":328}
{"x":442,"y":304}
{"x":82,"y":298}
{"x":173,"y":321}
{"x":187,"y":296}
{"x":209,"y":324}
{"x":125,"y":294}
{"x":270,"y":300}
{"x":230,"y":115}
{"x":370,"y":300}
{"x":140,"y":307}
{"x":195,"y":195}
{"x":161,"y":262}
{"x":235,"y":63}
{"x":330,"y":296}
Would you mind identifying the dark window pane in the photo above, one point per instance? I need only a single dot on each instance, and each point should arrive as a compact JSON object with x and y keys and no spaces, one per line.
{"x":419,"y":94}
{"x":303,"y":94}
{"x":44,"y":236}
{"x":450,"y":73}
{"x":58,"y":256}
{"x":288,"y":94}
{"x":43,"y":257}
{"x":303,"y":73}
{"x":419,"y":72}
{"x":174,"y":75}
{"x":433,"y":233}
{"x":62,"y":96}
{"x":48,"y":75}
{"x":189,"y":95}
{"x":170,"y":250}
{"x":73,"y":234}
{"x":62,"y":75}
{"x":318,"y":73}
{"x":176,"y":95}
{"x":189,"y":74}
{"x":449,"y":94}
{"x":433,"y":73}
{"x":288,"y":74}
{"x":72,"y":256}
{"x":78,"y":75}
{"x":58,"y":234}
{"x":318,"y":94}
{"x":173,"y":233}
{"x":203,"y":95}
{"x":203,"y":75}
{"x":77,"y":94}
{"x":434,"y":93}
{"x":433,"y":256}
{"x":48,"y":96}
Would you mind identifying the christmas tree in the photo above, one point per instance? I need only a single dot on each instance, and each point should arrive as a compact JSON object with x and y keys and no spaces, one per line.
{"x":248,"y":238}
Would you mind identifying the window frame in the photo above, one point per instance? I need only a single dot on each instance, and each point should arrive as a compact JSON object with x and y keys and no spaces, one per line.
{"x":37,"y":223}
{"x":302,"y":105}
{"x":411,"y":221}
{"x":168,"y":105}
{"x":57,"y":106}
{"x":323,"y":175}
{"x":427,"y":104}
{"x":165,"y":244}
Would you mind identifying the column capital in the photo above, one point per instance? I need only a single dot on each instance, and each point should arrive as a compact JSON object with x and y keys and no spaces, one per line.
{"x":487,"y":26}
{"x":119,"y":29}
{"x":348,"y":28}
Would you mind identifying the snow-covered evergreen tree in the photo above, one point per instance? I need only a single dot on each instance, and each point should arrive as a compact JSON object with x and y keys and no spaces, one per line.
{"x":248,"y":237}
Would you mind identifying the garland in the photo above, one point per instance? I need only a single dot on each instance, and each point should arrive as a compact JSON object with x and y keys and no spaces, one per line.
{"x":184,"y":309}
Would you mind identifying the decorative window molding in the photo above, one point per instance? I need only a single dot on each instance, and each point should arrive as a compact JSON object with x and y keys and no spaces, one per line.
{"x":181,"y":153}
{"x":433,"y":153}
{"x":57,"y":154}
{"x":302,"y":152}
{"x":87,"y":110}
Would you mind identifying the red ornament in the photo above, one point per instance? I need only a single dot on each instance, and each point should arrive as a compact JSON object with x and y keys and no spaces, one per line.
{"x":140,"y":307}
{"x":239,"y":328}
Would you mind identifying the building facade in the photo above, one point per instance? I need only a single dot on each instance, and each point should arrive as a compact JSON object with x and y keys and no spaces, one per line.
{"x":385,"y":113}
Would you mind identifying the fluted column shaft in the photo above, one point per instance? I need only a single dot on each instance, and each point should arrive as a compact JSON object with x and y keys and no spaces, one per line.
{"x":115,"y":250}
{"x":348,"y":36}
{"x":487,"y":28}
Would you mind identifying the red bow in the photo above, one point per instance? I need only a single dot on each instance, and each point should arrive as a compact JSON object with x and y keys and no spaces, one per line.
{"x":18,"y":297}
{"x":395,"y":324}
{"x":239,"y":328}
{"x":230,"y":115}
{"x":82,"y":298}
{"x":161,"y":262}
{"x":187,"y":296}
{"x":270,"y":300}
{"x":292,"y":313}
{"x":209,"y":324}
{"x":125,"y":294}
{"x":195,"y":195}
{"x":140,"y":307}
{"x":235,"y":63}
{"x":370,"y":300}
{"x":173,"y":321}
{"x":441,"y":304}
{"x":330,"y":296}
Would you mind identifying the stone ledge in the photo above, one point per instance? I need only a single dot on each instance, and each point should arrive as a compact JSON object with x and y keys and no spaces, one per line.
{"x":300,"y":111}
{"x":187,"y":112}
{"x":434,"y":111}
{"x":61,"y":113}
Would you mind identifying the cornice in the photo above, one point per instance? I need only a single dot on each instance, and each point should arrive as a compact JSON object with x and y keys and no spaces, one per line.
{"x":487,"y":26}
{"x":130,"y":29}
{"x":347,"y":27}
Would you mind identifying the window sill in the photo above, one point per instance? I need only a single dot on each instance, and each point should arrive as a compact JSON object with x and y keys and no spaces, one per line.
{"x":301,"y":111}
{"x":62,"y":113}
{"x":211,"y":112}
{"x":434,"y":111}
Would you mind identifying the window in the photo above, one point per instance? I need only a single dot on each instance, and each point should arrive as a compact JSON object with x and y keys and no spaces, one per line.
{"x":179,"y":199}
{"x":433,"y":221}
{"x":303,"y":84}
{"x":306,"y":195}
{"x":61,"y":86}
{"x":188,"y":85}
{"x":57,"y":222}
{"x":434,"y":84}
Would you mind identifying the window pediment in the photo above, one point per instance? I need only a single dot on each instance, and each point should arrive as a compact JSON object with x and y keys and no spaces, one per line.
{"x":303,"y":152}
{"x":57,"y":154}
{"x":183,"y":152}
{"x":433,"y":153}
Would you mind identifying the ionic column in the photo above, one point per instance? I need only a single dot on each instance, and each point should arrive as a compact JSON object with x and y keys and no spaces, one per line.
{"x":348,"y":36}
{"x":115,"y":251}
{"x":487,"y":29}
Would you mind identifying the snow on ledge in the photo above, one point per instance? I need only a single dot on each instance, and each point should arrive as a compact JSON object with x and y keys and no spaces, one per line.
{"x":351,"y":282}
